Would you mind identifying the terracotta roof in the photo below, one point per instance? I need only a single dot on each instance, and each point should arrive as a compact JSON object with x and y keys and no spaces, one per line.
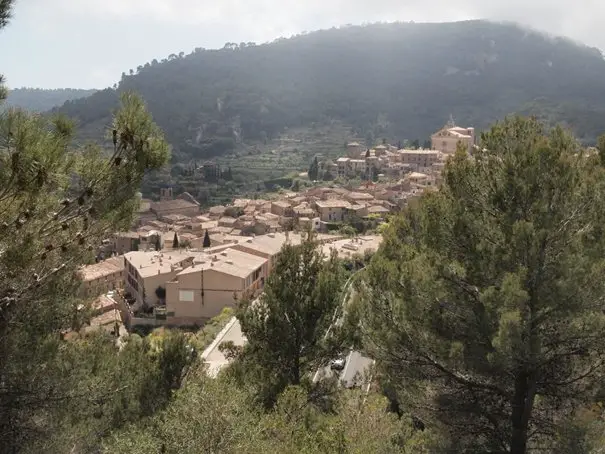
{"x":101,"y":269}
{"x":169,"y":205}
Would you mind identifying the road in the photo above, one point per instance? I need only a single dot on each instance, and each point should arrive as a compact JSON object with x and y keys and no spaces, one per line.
{"x":356,"y":365}
{"x":213,"y":356}
{"x":356,"y":369}
{"x":354,"y":373}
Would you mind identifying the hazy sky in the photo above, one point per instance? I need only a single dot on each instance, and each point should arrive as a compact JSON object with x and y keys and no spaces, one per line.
{"x":88,"y":43}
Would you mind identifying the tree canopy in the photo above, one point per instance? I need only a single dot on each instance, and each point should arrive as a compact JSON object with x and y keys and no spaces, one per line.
{"x":285,"y":327}
{"x":58,"y":203}
{"x":484,"y":306}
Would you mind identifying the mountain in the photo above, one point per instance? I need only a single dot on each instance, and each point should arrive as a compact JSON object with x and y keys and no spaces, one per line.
{"x":399,"y":80}
{"x":41,"y":100}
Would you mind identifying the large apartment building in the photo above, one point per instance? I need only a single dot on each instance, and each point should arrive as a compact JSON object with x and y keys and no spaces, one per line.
{"x":145,"y":272}
{"x":213,"y":282}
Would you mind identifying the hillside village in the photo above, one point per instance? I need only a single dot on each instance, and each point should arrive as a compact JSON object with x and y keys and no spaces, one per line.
{"x":181,"y":265}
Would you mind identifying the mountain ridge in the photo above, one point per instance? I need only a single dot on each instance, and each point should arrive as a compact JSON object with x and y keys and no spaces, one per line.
{"x":43,"y":99}
{"x":396,"y":80}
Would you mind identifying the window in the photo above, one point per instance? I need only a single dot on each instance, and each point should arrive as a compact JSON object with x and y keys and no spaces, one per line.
{"x":186,"y":295}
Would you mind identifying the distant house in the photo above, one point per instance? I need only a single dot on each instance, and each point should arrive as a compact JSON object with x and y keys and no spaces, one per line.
{"x":177,"y":206}
{"x":419,"y":159}
{"x":355,"y":149}
{"x":332,"y":210}
{"x":450,"y":136}
{"x":281,"y":208}
{"x":102,"y":277}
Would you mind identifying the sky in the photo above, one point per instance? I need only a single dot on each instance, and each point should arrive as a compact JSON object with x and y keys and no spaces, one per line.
{"x":89,"y":43}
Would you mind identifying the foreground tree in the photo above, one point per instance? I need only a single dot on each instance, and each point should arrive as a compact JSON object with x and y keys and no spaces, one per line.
{"x":5,"y":15}
{"x":216,"y":415}
{"x":57,"y":204}
{"x":484,"y":306}
{"x":286,"y":326}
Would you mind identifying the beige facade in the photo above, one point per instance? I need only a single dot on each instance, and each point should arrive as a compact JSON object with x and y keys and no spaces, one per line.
{"x":355,"y":150}
{"x":348,"y":167}
{"x":124,"y":242}
{"x":332,"y":210}
{"x":212,"y":283}
{"x":102,"y":277}
{"x":419,"y":159}
{"x":146,"y":271}
{"x":447,"y":139}
{"x":281,"y":208}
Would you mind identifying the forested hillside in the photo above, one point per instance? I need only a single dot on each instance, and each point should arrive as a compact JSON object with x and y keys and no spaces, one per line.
{"x":40,"y":100}
{"x":387,"y":80}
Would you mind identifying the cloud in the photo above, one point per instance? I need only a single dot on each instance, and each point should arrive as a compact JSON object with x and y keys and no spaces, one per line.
{"x":125,"y":33}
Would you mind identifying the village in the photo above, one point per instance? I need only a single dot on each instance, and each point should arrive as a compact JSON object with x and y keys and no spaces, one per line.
{"x":181,"y":265}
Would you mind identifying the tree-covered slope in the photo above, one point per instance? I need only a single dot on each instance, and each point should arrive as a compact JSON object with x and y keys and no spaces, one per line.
{"x":392,"y":80}
{"x":41,"y":100}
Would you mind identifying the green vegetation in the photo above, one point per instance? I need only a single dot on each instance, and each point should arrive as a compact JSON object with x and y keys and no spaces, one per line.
{"x":286,"y":326}
{"x":211,"y":101}
{"x":484,"y":306}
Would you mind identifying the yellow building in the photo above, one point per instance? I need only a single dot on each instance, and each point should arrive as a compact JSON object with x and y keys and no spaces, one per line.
{"x":211,"y":283}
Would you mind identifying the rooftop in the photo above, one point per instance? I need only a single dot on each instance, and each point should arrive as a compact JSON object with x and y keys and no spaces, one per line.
{"x":281,"y":204}
{"x":360,"y":196}
{"x":227,"y":220}
{"x":229,"y":261}
{"x":378,"y":209}
{"x":101,"y":269}
{"x":103,"y":304}
{"x":271,"y":243}
{"x":420,"y":151}
{"x":218,"y":209}
{"x":332,"y":203}
{"x":348,"y":247}
{"x":176,"y":204}
{"x":150,"y":263}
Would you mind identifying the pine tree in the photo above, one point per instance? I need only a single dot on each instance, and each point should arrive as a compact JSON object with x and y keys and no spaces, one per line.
{"x":314,"y":170}
{"x":286,"y":326}
{"x":5,"y":15}
{"x":207,"y":242}
{"x":484,"y":306}
{"x":175,"y":241}
{"x":58,"y":203}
